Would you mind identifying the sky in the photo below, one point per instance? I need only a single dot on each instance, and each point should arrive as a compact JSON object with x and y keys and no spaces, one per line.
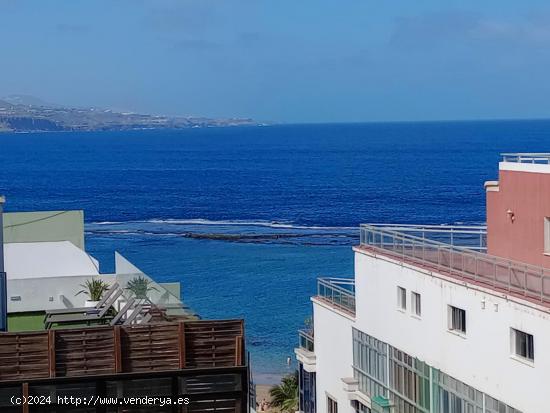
{"x":291,"y":61}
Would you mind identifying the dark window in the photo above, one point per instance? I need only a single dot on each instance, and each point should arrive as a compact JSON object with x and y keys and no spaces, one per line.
{"x":307,"y":390}
{"x":401,"y":298}
{"x":360,"y":407}
{"x":332,"y":405}
{"x":524,"y":346}
{"x":416,"y":304}
{"x":457,"y":319}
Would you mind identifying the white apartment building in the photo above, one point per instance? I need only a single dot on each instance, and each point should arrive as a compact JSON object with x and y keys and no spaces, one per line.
{"x":441,"y":319}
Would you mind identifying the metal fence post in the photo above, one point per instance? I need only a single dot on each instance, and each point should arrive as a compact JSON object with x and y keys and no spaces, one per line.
{"x":3,"y":277}
{"x":542,"y":285}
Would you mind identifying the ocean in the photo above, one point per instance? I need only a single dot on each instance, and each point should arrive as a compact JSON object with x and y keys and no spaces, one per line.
{"x":248,"y":217}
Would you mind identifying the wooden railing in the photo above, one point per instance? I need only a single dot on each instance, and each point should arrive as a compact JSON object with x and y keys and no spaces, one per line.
{"x":98,"y":351}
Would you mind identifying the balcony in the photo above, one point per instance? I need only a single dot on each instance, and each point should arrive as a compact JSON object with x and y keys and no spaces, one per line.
{"x":338,"y":293}
{"x":305,"y":352}
{"x":458,"y":252}
{"x":306,"y":340}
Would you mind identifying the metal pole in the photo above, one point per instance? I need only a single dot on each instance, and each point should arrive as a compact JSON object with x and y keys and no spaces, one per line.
{"x":3,"y":278}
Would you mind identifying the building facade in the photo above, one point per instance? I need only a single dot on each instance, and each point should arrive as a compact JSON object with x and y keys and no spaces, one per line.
{"x":442,"y":319}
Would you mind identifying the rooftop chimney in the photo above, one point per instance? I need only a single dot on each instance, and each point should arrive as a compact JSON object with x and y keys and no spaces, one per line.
{"x":3,"y":278}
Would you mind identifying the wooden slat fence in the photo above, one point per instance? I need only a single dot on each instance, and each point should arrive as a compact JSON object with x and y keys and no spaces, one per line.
{"x":150,"y":347}
{"x":24,"y":355}
{"x":213,"y":343}
{"x":83,"y":352}
{"x":111,"y":350}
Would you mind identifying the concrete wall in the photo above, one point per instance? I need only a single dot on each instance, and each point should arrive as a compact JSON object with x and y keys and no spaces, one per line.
{"x":523,"y":189}
{"x":482,"y":358}
{"x":45,"y":226}
{"x":333,"y":349}
{"x":39,"y":294}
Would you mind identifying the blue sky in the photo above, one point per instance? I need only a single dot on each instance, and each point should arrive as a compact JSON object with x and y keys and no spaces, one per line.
{"x":282,"y":60}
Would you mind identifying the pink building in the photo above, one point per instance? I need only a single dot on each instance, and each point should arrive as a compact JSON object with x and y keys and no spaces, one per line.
{"x":518,"y":209}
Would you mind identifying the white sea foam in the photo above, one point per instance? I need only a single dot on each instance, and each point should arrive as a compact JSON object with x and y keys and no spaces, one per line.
{"x":250,"y":223}
{"x":107,"y":223}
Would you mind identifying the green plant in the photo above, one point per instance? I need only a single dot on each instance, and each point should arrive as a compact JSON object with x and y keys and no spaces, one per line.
{"x":140,"y":286}
{"x":94,"y":289}
{"x":285,"y":395}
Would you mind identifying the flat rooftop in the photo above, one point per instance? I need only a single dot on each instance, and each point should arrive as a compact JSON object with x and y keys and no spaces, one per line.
{"x":25,"y":260}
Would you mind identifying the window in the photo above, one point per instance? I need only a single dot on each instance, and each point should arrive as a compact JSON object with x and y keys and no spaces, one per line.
{"x":307,"y":390}
{"x":332,"y":405}
{"x":415,"y":304}
{"x":401,"y":298}
{"x":359,"y":407}
{"x":409,"y":379}
{"x":547,"y":235}
{"x":523,"y":345}
{"x":370,"y":363}
{"x":457,"y":319}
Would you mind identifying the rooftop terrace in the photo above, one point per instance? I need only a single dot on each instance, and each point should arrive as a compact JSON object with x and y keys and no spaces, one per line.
{"x":403,"y":240}
{"x":458,"y":256}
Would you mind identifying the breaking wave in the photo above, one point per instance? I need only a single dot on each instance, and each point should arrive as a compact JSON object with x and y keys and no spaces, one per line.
{"x":236,"y":222}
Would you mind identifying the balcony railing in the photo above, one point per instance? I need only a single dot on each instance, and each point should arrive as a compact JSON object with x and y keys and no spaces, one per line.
{"x":338,"y":292}
{"x":540,"y":158}
{"x":464,"y":262}
{"x":306,"y":340}
{"x":469,"y":236}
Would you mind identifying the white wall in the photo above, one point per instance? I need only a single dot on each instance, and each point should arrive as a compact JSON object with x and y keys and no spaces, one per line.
{"x":35,"y":293}
{"x":334,"y":352}
{"x":483,"y":358}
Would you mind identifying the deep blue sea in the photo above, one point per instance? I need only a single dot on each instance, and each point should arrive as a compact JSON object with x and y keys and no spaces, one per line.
{"x":247,"y":218}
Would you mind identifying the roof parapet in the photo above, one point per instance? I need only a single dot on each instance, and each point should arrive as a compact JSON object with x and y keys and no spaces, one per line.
{"x":527,"y":157}
{"x":525,"y":162}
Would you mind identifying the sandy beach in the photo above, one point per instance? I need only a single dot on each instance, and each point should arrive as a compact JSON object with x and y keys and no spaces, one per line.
{"x":262,"y":393}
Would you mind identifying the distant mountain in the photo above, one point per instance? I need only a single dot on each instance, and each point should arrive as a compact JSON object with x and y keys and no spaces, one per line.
{"x":28,"y":100}
{"x":22,"y":113}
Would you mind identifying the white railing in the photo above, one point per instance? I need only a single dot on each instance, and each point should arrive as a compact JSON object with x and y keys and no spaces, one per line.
{"x":464,"y":262}
{"x":540,"y":158}
{"x":469,"y":236}
{"x":306,"y":339}
{"x":338,"y":292}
